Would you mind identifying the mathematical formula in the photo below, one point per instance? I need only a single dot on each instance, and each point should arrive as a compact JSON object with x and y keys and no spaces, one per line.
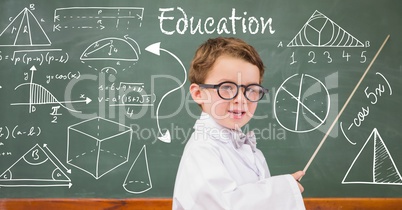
{"x":13,"y":132}
{"x":38,"y":57}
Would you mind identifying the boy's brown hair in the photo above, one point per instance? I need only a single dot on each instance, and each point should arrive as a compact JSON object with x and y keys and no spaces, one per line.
{"x":212,"y":49}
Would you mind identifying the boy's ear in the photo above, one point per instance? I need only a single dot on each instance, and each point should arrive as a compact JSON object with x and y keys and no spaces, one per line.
{"x":196,"y":93}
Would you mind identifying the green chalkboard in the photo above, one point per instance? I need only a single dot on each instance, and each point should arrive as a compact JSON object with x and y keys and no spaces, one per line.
{"x":95,"y":104}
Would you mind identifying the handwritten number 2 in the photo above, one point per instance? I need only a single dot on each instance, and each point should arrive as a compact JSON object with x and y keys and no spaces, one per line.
{"x":312,"y":54}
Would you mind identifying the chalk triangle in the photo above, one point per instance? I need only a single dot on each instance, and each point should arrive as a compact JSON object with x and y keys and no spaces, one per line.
{"x":138,"y":179}
{"x":24,"y":30}
{"x":34,"y":169}
{"x":373,"y":164}
{"x":385,"y":170}
{"x":320,"y":31}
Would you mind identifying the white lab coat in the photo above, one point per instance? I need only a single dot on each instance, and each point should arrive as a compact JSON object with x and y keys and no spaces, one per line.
{"x":213,"y":174}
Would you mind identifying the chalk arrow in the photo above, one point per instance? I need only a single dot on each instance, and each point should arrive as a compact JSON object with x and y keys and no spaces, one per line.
{"x":33,"y":69}
{"x":155,"y":49}
{"x":56,"y":27}
{"x":87,"y":101}
{"x":56,"y":18}
{"x":165,"y":137}
{"x":37,"y":185}
{"x":65,"y":168}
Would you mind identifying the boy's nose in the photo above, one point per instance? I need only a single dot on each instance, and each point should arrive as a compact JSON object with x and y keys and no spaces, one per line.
{"x":240,"y":98}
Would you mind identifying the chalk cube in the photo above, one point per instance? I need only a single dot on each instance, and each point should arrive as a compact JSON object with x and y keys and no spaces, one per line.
{"x":98,"y":146}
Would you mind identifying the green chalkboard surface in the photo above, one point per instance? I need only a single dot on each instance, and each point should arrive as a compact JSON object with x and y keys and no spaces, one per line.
{"x":95,"y":104}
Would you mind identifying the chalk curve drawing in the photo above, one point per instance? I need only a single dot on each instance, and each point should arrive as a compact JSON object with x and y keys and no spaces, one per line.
{"x":381,"y":169}
{"x":39,"y":170}
{"x":108,"y":70}
{"x":331,"y":83}
{"x":302,"y":103}
{"x":125,"y":52}
{"x":155,"y":48}
{"x":320,"y":31}
{"x":111,"y":48}
{"x":138,"y":179}
{"x":24,"y":30}
{"x":39,"y":95}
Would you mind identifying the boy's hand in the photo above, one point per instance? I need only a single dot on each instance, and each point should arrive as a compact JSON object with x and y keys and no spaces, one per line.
{"x":298,"y":175}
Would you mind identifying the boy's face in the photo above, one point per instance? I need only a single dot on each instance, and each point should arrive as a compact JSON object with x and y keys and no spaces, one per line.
{"x":238,"y":111}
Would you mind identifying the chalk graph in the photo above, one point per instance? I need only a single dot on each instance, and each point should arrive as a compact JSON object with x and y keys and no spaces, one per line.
{"x":39,"y":95}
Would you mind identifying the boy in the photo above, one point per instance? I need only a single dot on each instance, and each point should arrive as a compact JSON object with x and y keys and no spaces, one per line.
{"x":221,"y":168}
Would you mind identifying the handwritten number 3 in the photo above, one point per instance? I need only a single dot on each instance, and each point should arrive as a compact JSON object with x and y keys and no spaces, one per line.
{"x":328,"y":56}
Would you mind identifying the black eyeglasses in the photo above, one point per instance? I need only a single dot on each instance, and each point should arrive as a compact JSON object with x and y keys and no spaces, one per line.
{"x":229,"y":90}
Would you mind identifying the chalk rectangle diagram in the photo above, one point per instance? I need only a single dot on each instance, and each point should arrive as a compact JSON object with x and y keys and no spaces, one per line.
{"x":97,"y":146}
{"x":97,"y":18}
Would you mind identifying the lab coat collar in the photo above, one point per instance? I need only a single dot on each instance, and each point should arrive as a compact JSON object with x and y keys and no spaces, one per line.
{"x":207,"y":125}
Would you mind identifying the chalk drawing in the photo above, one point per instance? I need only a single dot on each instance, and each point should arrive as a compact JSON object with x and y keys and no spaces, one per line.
{"x":122,"y":52}
{"x":39,"y":95}
{"x":373,"y":164}
{"x":97,"y":146}
{"x":35,"y":168}
{"x":24,"y":30}
{"x":138,"y":179}
{"x":320,"y":31}
{"x":303,"y":98}
{"x":98,"y":18}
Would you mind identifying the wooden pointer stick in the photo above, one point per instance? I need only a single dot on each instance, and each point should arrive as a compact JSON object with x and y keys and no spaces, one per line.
{"x":344,"y":106}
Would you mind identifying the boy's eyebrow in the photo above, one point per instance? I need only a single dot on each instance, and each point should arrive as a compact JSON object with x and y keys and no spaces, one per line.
{"x":223,"y":80}
{"x":227,"y":80}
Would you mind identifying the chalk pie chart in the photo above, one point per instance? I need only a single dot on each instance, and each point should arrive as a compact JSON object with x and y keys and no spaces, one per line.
{"x":302,"y":103}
